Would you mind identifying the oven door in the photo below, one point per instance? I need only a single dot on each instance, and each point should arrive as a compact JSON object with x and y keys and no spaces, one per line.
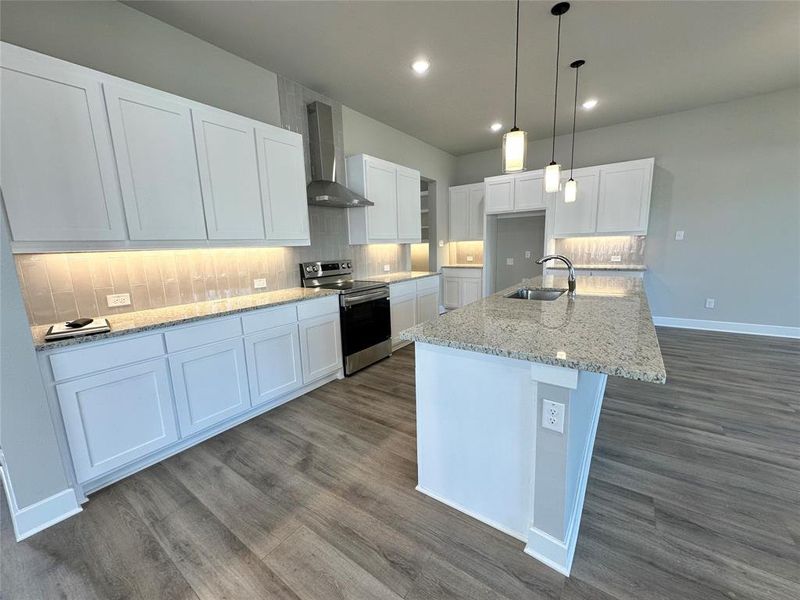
{"x":366,"y":320}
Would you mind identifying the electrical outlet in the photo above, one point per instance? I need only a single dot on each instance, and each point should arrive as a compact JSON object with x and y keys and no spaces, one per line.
{"x":527,"y":253}
{"x":510,"y":262}
{"x":679,"y":235}
{"x":441,"y":243}
{"x":553,"y":415}
{"x":616,"y":258}
{"x":711,"y":302}
{"x":118,"y":300}
{"x":387,"y":268}
{"x":259,"y":283}
{"x":470,"y":258}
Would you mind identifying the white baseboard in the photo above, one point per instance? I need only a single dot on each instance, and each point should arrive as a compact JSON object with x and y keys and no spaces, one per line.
{"x":547,"y":549}
{"x":729,"y":327}
{"x":39,"y":515}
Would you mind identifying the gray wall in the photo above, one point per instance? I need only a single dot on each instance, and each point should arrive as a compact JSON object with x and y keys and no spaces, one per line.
{"x":32,"y":458}
{"x":728,"y":175}
{"x":515,"y":236}
{"x":116,"y":39}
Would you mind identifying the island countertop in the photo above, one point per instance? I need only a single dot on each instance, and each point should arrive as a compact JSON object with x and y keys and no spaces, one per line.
{"x":607,"y":328}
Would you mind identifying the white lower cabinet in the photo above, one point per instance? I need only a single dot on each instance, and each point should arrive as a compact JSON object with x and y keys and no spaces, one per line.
{"x":412,"y":302}
{"x":428,"y":304}
{"x":273,"y":362}
{"x":461,"y":286}
{"x":210,"y":384}
{"x":320,"y":346}
{"x":115,"y":417}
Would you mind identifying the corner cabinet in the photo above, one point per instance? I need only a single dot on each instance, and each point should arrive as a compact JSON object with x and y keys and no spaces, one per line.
{"x":466,"y":209}
{"x":92,"y":161}
{"x":395,"y":192}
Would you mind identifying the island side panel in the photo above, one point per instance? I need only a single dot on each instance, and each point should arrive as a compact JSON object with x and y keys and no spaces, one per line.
{"x":476,"y":425}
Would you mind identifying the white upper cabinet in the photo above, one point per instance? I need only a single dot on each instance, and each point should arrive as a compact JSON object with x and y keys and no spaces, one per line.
{"x":282,"y":170}
{"x":58,"y":173}
{"x":409,"y":226}
{"x":154,"y":146}
{"x":466,"y":212}
{"x":499,"y":194}
{"x":529,"y":191}
{"x":579,"y":217}
{"x":623,"y":203}
{"x":226,"y":155}
{"x":395,"y":191}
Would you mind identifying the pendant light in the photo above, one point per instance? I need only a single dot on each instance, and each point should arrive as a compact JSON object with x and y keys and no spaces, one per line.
{"x":552,"y":172}
{"x":515,"y":141}
{"x":571,"y":187}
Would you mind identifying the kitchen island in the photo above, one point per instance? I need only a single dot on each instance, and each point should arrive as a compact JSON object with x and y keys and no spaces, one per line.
{"x":509,"y":393}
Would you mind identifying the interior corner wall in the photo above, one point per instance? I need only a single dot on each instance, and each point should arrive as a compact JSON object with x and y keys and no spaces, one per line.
{"x":365,"y":135}
{"x":727,"y":174}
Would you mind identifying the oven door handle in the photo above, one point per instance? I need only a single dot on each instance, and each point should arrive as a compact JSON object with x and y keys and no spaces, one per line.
{"x":348,"y":301}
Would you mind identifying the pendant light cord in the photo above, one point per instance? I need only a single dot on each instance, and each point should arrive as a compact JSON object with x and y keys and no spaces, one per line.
{"x":574,"y":115}
{"x":555,"y":91}
{"x":516,"y":67}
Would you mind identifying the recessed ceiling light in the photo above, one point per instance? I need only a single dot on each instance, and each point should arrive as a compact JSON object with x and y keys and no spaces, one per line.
{"x":421,"y":66}
{"x":496,"y":126}
{"x":590,"y":104}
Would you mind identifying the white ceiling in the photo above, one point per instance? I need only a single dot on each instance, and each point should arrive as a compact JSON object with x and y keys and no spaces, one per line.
{"x":643,"y":58}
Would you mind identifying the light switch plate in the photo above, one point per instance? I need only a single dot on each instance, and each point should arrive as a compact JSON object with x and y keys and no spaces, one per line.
{"x":509,"y":261}
{"x":259,"y":283}
{"x":470,"y":258}
{"x":387,"y":268}
{"x":553,"y":416}
{"x":679,"y":235}
{"x":711,"y":303}
{"x":527,"y":253}
{"x":616,"y":258}
{"x":118,"y":300}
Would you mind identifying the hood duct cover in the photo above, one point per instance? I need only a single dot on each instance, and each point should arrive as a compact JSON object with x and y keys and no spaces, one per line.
{"x":323,"y":189}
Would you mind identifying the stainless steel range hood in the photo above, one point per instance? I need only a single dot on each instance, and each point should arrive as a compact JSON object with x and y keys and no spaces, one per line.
{"x":323,"y":189}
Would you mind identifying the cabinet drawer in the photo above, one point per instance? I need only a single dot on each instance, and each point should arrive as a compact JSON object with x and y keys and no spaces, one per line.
{"x":317,"y":308}
{"x":73,"y":363}
{"x":271,"y":317}
{"x":406,"y":288}
{"x":197,"y":335}
{"x":427,"y":284}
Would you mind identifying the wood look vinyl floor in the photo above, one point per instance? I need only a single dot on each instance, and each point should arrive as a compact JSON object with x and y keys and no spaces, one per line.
{"x":694,"y":493}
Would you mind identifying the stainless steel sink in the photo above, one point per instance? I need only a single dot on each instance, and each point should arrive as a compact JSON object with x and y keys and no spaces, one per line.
{"x":536,"y":293}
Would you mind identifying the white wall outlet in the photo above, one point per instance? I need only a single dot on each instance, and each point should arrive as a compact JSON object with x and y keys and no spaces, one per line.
{"x":616,"y":258}
{"x":510,"y":262}
{"x":387,"y":268}
{"x":679,"y":235}
{"x":470,"y":258}
{"x":553,"y":415}
{"x":118,"y":300}
{"x":441,"y":243}
{"x":259,"y":283}
{"x":527,"y":253}
{"x":711,"y":302}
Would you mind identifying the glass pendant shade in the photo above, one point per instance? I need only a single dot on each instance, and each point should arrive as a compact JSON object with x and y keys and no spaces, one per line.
{"x":570,"y":191}
{"x":515,"y":146}
{"x":552,"y":177}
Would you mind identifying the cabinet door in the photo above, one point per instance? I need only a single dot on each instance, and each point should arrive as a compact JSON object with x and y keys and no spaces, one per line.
{"x":320,"y":347}
{"x":476,"y":215}
{"x":381,"y":180}
{"x":529,"y":192}
{"x":500,"y":195}
{"x":459,"y":208}
{"x":470,"y":291}
{"x":226,"y":154}
{"x":58,"y":173}
{"x":157,"y":164}
{"x":273,"y":363}
{"x":409,"y":226}
{"x":210,"y":384}
{"x":118,"y":416}
{"x":624,"y":198}
{"x":427,"y":305}
{"x":283,"y":185}
{"x":579,"y":217}
{"x":451,"y":292}
{"x":404,"y":315}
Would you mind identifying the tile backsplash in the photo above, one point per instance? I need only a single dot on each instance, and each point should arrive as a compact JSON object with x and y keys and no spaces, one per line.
{"x":460,"y":252}
{"x":59,"y":287}
{"x":599,"y":250}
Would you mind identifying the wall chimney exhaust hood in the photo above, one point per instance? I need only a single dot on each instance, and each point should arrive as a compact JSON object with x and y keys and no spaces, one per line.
{"x":323,"y":189}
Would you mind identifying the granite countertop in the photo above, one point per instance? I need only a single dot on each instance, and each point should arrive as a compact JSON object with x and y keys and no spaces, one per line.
{"x":144,"y":320}
{"x":600,"y":267}
{"x":607,"y":328}
{"x":399,"y":276}
{"x":464,"y":266}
